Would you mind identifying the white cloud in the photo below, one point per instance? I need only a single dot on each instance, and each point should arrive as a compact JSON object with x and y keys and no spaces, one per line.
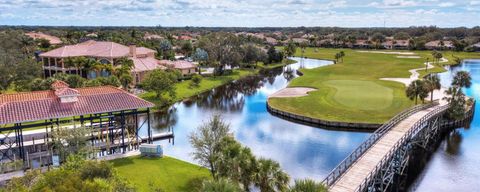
{"x":446,"y":4}
{"x":250,"y":13}
{"x":474,"y":3}
{"x":394,"y":4}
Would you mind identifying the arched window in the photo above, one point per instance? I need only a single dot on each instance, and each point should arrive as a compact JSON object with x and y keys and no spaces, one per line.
{"x":104,"y":61}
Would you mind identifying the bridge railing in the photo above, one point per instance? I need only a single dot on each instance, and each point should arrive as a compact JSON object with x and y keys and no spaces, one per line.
{"x":388,"y":157}
{"x":338,"y":171}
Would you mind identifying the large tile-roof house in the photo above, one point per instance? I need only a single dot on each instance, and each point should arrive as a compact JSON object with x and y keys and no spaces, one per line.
{"x":439,"y":45}
{"x":106,"y":53}
{"x":39,"y":35}
{"x":185,"y":67}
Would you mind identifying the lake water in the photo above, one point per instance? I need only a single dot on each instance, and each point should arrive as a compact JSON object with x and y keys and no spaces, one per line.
{"x":455,"y":166}
{"x":303,"y":151}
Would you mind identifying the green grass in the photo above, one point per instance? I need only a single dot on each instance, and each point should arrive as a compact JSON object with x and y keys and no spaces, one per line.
{"x":184,"y":90}
{"x":261,"y":65}
{"x":351,"y":91}
{"x":166,"y":173}
{"x":368,"y":94}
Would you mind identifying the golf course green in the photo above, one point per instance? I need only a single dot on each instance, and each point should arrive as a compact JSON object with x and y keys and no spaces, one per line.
{"x":351,"y":90}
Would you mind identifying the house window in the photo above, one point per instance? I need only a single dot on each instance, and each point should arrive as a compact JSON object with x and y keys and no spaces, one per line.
{"x":92,"y":75}
{"x":104,"y":61}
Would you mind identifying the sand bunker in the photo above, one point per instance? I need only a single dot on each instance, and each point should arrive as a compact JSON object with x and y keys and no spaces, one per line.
{"x":409,"y":57}
{"x":389,"y":52}
{"x":292,"y":92}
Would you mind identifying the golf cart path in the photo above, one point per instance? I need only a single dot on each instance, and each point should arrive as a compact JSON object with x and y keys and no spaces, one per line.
{"x":437,"y":94}
{"x":414,"y":74}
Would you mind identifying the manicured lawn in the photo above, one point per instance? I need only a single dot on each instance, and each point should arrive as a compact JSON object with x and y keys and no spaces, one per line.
{"x":184,"y":90}
{"x":351,"y":91}
{"x":166,"y":173}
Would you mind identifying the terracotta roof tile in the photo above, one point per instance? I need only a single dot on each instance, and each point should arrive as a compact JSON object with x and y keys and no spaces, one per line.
{"x":145,"y":64}
{"x":180,"y":64}
{"x":40,"y":105}
{"x":39,"y":35}
{"x":93,"y":48}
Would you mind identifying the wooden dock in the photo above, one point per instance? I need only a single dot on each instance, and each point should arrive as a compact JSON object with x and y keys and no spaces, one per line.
{"x":359,"y":170}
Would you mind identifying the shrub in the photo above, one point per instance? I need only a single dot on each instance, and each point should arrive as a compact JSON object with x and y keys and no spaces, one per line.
{"x":196,"y":80}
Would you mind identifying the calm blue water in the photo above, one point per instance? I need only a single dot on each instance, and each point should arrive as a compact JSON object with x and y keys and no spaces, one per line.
{"x":303,"y":151}
{"x":456,"y":164}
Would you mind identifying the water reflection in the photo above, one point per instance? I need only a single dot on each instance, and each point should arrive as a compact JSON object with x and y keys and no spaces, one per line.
{"x":453,"y":143}
{"x":454,"y":166}
{"x":303,"y":151}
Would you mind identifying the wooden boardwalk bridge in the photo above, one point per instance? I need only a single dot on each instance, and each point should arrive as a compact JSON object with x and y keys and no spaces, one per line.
{"x":378,"y":163}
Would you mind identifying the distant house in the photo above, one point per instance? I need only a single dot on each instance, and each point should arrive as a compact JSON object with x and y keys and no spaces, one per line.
{"x":300,"y":40}
{"x":184,"y":38}
{"x":324,"y":43}
{"x":476,"y":46}
{"x":92,"y":35}
{"x":149,"y":36}
{"x":401,"y":44}
{"x":107,"y":53}
{"x":388,"y":44}
{"x":361,"y":44}
{"x":439,"y":45}
{"x":39,"y":35}
{"x":271,"y":41}
{"x":185,"y":67}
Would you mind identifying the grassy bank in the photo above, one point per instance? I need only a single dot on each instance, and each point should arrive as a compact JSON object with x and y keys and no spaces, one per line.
{"x":184,"y":90}
{"x":261,"y":65}
{"x":350,"y":91}
{"x":168,"y":174}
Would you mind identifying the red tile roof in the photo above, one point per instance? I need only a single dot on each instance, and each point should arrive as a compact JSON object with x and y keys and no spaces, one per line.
{"x":52,"y":39}
{"x":66,"y":92}
{"x":180,"y":64}
{"x":185,"y":37}
{"x":40,"y":105}
{"x":99,"y":49}
{"x":145,"y":64}
{"x":59,"y":84}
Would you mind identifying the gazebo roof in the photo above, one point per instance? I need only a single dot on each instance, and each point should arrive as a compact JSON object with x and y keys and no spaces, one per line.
{"x":41,"y":105}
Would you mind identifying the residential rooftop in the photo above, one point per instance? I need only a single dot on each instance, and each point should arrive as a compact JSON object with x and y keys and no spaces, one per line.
{"x":63,"y":102}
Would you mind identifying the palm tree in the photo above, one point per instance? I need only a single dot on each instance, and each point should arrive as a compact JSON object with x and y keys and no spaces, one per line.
{"x":337,"y":57}
{"x":125,"y":80}
{"x":417,"y":89}
{"x":79,"y":64}
{"x":220,"y":185}
{"x":124,"y":61}
{"x":462,"y":79}
{"x":97,"y":67}
{"x":457,"y":103}
{"x":438,"y":56}
{"x":69,"y":62}
{"x":89,"y":64}
{"x":308,"y":185}
{"x":432,"y":82}
{"x":270,"y":177}
{"x":108,"y":68}
{"x":342,"y":54}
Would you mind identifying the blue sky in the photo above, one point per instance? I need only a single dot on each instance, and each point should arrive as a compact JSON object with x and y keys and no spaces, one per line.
{"x":242,"y":13}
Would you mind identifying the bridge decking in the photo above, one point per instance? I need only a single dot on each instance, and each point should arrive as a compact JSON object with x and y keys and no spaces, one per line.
{"x":360,"y":169}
